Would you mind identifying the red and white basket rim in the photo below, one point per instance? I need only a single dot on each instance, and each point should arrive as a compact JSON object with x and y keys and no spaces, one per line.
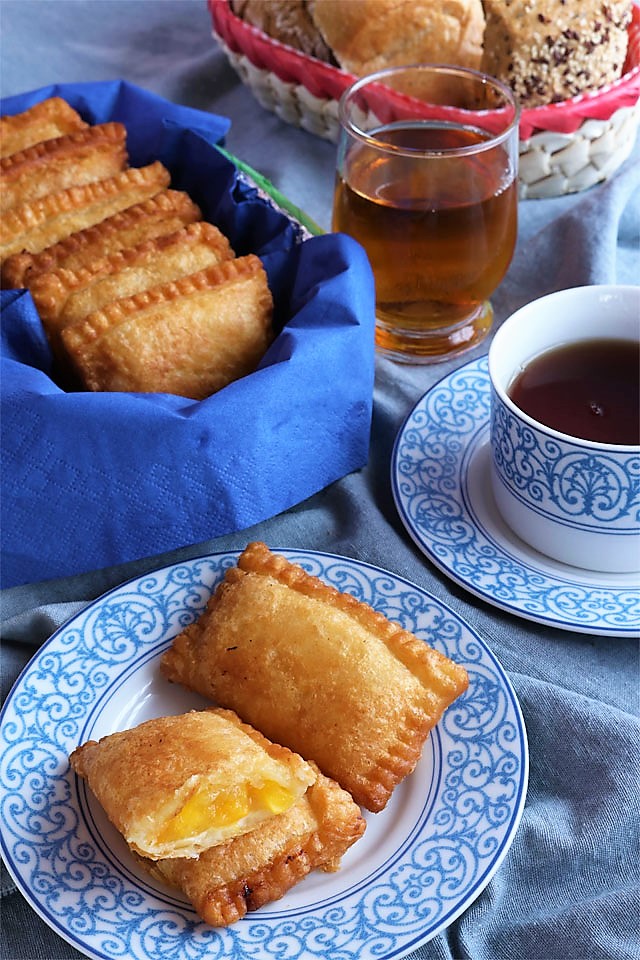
{"x":326,"y":82}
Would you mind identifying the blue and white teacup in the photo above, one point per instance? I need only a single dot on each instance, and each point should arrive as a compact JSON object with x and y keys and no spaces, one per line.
{"x":575,"y":500}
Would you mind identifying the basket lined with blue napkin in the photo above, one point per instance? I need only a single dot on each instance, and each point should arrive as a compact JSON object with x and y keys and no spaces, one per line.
{"x":94,"y":479}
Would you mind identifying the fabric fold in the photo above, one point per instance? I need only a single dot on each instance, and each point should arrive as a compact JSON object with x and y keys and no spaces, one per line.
{"x":96,"y":479}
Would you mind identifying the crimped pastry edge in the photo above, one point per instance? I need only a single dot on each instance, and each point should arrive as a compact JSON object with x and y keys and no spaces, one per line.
{"x":52,"y":288}
{"x":19,"y":268}
{"x":69,"y":143}
{"x":83,"y":335}
{"x":31,"y":215}
{"x":373,"y":788}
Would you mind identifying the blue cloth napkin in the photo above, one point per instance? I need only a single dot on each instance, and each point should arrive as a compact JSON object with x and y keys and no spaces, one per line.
{"x":95,"y":479}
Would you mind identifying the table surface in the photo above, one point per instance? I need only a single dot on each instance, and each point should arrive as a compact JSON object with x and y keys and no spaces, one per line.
{"x":568,"y":887}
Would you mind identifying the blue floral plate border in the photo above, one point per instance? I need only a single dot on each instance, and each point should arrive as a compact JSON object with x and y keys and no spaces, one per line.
{"x":421,"y":862}
{"x":440,"y":480}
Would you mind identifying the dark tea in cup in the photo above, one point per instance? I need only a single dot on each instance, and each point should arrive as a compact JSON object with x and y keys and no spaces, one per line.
{"x":588,"y":389}
{"x":565,"y":449}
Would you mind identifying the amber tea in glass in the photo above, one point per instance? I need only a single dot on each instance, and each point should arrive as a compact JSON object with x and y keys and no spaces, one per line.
{"x":426,"y":181}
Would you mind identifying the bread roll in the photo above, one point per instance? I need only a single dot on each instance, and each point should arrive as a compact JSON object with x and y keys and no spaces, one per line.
{"x":288,"y":21}
{"x":369,"y":35}
{"x":550,"y":50}
{"x":362,"y":36}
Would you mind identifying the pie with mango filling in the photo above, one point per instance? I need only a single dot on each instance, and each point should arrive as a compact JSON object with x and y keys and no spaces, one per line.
{"x":95,"y":153}
{"x":167,"y":211}
{"x":191,"y":336}
{"x":176,"y":786}
{"x":319,"y":671}
{"x":245,"y":873}
{"x":53,"y":117}
{"x":38,"y":224}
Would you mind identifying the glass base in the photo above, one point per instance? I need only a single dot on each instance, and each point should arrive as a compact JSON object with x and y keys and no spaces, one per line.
{"x":436,"y":345}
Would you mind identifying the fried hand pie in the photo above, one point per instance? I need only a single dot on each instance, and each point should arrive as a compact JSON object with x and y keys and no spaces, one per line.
{"x":161,"y":214}
{"x":96,"y":153}
{"x":175,"y":786}
{"x":65,"y":297}
{"x":245,"y":873}
{"x":190,"y":337}
{"x":34,"y":226}
{"x":318,"y":671}
{"x":50,"y":118}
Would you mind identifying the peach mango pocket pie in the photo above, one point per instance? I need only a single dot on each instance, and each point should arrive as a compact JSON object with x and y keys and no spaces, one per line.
{"x":50,"y":118}
{"x":209,"y":805}
{"x":38,"y":224}
{"x":175,"y":786}
{"x":165,"y":212}
{"x":64,"y":297}
{"x":318,"y":671}
{"x":190,"y":337}
{"x":95,"y":153}
{"x":253,"y":869}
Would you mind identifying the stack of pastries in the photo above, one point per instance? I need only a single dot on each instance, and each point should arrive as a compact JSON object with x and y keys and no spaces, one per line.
{"x":135,"y":291}
{"x":322,"y":706}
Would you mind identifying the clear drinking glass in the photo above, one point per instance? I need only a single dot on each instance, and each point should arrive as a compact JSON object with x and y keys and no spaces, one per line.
{"x":426,"y":181}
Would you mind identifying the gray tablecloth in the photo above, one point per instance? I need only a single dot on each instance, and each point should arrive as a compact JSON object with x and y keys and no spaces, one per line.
{"x":568,"y":887}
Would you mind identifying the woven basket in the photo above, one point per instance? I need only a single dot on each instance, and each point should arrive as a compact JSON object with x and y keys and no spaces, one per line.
{"x":564,"y":147}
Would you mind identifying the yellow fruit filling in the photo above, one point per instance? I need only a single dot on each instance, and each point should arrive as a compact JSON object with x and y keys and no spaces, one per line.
{"x":272,"y":796}
{"x":202,"y":811}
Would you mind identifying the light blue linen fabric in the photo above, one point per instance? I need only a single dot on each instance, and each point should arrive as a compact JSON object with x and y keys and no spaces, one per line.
{"x":568,"y":888}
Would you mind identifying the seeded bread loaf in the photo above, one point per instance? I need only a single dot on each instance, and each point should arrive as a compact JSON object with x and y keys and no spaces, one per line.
{"x":551,"y":50}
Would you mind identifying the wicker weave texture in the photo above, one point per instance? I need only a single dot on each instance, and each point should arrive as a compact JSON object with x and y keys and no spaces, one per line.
{"x":292,"y":102}
{"x":551,"y":164}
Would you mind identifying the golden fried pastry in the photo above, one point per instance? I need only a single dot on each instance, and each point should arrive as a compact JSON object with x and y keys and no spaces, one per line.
{"x":50,"y":118}
{"x":318,"y":671}
{"x":190,"y":337}
{"x":245,"y":873}
{"x":95,"y":153}
{"x":163,"y":213}
{"x":34,"y":226}
{"x":65,"y":297}
{"x":175,"y":786}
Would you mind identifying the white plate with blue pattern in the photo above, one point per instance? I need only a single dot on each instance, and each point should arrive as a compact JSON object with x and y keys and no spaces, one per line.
{"x":441,"y":486}
{"x":420,"y":864}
